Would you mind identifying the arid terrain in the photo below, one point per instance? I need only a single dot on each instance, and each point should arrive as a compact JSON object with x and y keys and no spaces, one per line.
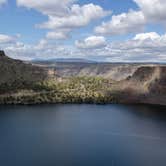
{"x":76,"y":82}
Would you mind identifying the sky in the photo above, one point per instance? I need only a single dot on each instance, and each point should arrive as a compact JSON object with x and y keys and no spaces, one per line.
{"x":100,"y":30}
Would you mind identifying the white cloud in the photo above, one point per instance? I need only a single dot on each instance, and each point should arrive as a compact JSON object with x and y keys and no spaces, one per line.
{"x":6,"y":39}
{"x":144,"y":36}
{"x":144,"y":47}
{"x":64,"y":15}
{"x":147,"y":47}
{"x":62,"y":34}
{"x":92,"y":42}
{"x":43,"y":49}
{"x":47,"y":7}
{"x":150,"y":42}
{"x":133,"y":21}
{"x":2,"y":2}
{"x":153,"y":10}
{"x":77,"y":16}
{"x":150,"y":11}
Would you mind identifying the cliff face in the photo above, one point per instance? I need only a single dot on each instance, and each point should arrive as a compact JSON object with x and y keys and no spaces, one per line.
{"x":152,"y":79}
{"x":146,"y":85}
{"x":12,"y":71}
{"x":113,"y":71}
{"x":106,"y":70}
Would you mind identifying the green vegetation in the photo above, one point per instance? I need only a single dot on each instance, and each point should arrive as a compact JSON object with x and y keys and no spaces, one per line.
{"x":67,"y":90}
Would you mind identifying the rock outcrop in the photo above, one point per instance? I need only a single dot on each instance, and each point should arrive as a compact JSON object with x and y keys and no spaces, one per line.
{"x":13,"y":71}
{"x":146,"y":85}
{"x":117,"y":71}
{"x":2,"y":53}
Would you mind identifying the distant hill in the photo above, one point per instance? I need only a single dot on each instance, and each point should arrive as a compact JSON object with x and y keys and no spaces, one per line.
{"x":82,"y":67}
{"x":63,"y":60}
{"x":115,"y":71}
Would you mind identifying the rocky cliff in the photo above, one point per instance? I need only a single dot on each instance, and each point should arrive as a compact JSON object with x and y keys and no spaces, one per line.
{"x":146,"y":85}
{"x":15,"y":72}
{"x":114,"y":71}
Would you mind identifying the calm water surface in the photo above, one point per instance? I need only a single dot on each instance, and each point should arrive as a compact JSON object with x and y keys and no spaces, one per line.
{"x":82,"y":135}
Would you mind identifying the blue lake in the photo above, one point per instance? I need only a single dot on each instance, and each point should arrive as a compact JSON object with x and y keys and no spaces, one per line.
{"x":83,"y":135}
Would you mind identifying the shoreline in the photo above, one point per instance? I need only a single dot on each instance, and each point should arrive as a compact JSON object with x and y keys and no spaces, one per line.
{"x":80,"y":103}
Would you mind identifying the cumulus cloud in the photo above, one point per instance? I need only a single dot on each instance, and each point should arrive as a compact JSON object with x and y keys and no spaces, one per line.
{"x":144,"y":36}
{"x":153,"y":10}
{"x":44,"y":49}
{"x":47,"y":7}
{"x":92,"y":42}
{"x":144,"y":47}
{"x":150,"y":11}
{"x":62,"y":34}
{"x":133,"y":21}
{"x":64,"y":15}
{"x":7,"y":39}
{"x":77,"y":16}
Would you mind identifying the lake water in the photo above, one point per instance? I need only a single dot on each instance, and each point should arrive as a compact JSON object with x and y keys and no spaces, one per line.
{"x":82,"y":135}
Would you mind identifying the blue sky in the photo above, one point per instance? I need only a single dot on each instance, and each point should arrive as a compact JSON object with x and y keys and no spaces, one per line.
{"x":103,"y":30}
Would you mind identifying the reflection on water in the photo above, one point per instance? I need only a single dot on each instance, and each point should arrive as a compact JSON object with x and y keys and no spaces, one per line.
{"x":83,"y":135}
